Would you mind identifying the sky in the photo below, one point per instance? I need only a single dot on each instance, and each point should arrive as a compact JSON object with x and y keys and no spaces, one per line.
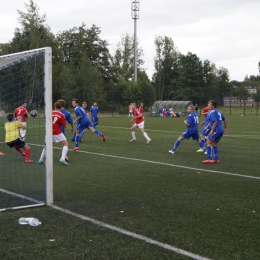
{"x":225,"y":32}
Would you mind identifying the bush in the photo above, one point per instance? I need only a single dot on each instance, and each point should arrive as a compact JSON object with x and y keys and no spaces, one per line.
{"x":123,"y":111}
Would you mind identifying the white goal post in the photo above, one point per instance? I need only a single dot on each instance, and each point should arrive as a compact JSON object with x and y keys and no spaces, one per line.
{"x":14,"y":60}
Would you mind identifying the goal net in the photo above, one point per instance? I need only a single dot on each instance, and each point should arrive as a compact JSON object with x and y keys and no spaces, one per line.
{"x":26,"y":82}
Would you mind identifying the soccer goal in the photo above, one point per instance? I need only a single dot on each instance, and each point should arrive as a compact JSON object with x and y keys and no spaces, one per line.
{"x":26,"y":79}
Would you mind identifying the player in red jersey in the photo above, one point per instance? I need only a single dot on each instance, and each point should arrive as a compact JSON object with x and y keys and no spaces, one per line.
{"x":21,"y":115}
{"x":58,"y":120}
{"x":139,"y":122}
{"x":203,"y":138}
{"x":205,"y":111}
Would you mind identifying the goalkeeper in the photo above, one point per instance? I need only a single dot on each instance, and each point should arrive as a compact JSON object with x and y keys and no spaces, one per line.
{"x":12,"y":138}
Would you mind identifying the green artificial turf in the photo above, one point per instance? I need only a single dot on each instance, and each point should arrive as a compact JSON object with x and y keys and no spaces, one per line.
{"x":211,"y":214}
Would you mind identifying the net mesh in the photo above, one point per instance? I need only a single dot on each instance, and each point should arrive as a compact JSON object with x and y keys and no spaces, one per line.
{"x":22,"y":80}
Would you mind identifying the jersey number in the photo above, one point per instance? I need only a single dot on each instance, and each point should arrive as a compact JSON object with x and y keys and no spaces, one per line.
{"x":220,"y":117}
{"x":196,"y":119}
{"x":55,"y":120}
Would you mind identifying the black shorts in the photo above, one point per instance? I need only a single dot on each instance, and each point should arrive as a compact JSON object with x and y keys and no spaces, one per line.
{"x":16,"y":143}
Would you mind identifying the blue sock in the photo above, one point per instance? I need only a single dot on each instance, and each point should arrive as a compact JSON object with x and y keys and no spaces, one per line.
{"x":81,"y":134}
{"x":209,"y":148}
{"x":74,"y":135}
{"x":97,"y":133}
{"x":203,"y":141}
{"x":215,"y":149}
{"x":176,"y":145}
{"x":94,"y":125}
{"x":201,"y":144}
{"x":77,"y":141}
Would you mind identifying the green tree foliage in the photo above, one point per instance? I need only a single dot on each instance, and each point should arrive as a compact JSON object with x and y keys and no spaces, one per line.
{"x":165,"y":63}
{"x":122,"y":63}
{"x":34,"y":33}
{"x":123,"y":59}
{"x":80,"y":41}
{"x":186,"y":77}
{"x":84,"y":68}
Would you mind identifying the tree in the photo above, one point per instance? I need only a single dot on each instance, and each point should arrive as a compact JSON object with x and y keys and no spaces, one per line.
{"x":35,"y":33}
{"x":123,"y":59}
{"x":78,"y":41}
{"x":165,"y":63}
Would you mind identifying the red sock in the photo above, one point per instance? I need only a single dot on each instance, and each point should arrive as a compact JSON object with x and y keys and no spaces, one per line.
{"x":19,"y":150}
{"x":27,"y":154}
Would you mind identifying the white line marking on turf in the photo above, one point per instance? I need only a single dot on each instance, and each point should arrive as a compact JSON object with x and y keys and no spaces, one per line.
{"x":131,"y":234}
{"x":160,"y":163}
{"x":114,"y":228}
{"x":169,"y":164}
{"x":179,"y":132}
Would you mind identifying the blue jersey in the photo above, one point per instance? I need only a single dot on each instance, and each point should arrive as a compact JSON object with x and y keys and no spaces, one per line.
{"x":79,"y":111}
{"x":193,"y":121}
{"x":217,"y":116}
{"x":94,"y":111}
{"x":207,"y":121}
{"x":67,"y":117}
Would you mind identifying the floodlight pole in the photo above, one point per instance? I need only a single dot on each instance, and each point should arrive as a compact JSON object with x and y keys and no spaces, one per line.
{"x":135,"y":16}
{"x":257,"y":94}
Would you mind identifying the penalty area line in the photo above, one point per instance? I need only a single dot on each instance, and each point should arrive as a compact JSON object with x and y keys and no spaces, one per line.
{"x":131,"y":234}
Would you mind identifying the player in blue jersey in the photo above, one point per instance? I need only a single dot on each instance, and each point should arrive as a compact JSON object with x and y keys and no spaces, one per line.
{"x":84,"y":106}
{"x":83,"y":122}
{"x":217,"y":131}
{"x":191,"y":131}
{"x":94,"y":114}
{"x":67,"y":115}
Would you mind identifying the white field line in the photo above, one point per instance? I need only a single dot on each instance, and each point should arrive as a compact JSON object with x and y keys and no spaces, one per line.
{"x":114,"y":228}
{"x":131,"y":234}
{"x":160,"y":163}
{"x":179,"y":132}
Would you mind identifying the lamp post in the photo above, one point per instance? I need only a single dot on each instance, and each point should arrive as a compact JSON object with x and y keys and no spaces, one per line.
{"x":257,"y":94}
{"x":135,"y":16}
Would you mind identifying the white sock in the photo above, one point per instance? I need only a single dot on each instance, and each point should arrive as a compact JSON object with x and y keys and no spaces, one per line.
{"x":146,"y":136}
{"x":64,"y":152}
{"x":22,"y":133}
{"x":133,"y":135}
{"x":43,"y":154}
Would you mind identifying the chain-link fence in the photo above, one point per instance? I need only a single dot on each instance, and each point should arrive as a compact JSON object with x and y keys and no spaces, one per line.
{"x":114,"y":99}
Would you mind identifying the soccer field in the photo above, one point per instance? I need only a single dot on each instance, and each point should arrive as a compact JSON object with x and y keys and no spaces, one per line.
{"x":136,"y":201}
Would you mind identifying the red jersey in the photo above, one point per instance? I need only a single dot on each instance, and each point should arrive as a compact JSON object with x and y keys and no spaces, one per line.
{"x":141,"y":110}
{"x":58,"y":120}
{"x":20,"y":114}
{"x":138,"y":120}
{"x":205,"y":110}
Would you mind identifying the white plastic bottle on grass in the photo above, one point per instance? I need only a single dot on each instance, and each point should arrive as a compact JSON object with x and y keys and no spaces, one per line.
{"x":34,"y":222}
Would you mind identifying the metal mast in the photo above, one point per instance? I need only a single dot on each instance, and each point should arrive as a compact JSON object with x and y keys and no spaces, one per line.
{"x":135,"y":16}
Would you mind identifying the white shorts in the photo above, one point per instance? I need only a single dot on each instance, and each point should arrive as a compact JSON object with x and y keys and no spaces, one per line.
{"x":141,"y":125}
{"x":59,"y":138}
